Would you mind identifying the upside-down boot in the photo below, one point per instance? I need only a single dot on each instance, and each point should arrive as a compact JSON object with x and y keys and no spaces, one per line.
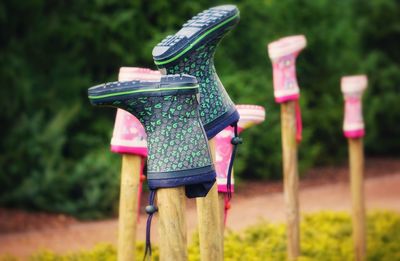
{"x":249,"y":116}
{"x":178,"y":153}
{"x":283,"y":54}
{"x":353,"y":88}
{"x":191,"y":51}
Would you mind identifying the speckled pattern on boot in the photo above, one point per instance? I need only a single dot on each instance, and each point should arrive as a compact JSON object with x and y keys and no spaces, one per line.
{"x":178,"y":153}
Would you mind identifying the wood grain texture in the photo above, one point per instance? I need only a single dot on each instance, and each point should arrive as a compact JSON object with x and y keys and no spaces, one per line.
{"x":172,"y":224}
{"x":291,"y":178}
{"x":356,"y":158}
{"x":128,"y":202}
{"x":209,"y":220}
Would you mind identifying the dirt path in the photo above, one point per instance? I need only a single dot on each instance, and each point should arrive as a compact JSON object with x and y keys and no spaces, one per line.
{"x":259,"y":202}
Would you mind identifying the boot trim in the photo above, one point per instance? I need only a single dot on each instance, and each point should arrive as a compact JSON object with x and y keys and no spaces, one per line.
{"x":160,"y":91}
{"x":219,"y":124}
{"x":180,"y":178}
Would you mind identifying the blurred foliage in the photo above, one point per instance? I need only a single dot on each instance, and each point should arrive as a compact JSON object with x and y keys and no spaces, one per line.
{"x":54,"y":144}
{"x":324,"y":236}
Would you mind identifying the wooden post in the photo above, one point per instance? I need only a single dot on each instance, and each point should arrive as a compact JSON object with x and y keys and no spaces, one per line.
{"x":209,"y":219}
{"x":356,"y":158}
{"x":172,"y":224}
{"x":130,"y":177}
{"x":353,"y":87}
{"x":291,"y":177}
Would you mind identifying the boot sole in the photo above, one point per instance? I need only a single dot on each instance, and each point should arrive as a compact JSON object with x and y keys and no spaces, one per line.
{"x":168,"y":85}
{"x":194,"y":32}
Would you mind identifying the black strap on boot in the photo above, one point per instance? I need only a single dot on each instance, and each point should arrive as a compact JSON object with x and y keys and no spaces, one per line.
{"x":150,"y":210}
{"x":236,"y":140}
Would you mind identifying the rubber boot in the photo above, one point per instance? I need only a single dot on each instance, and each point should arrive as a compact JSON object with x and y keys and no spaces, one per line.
{"x":249,"y":116}
{"x":178,"y":153}
{"x":353,"y":88}
{"x":191,"y":51}
{"x":283,"y":54}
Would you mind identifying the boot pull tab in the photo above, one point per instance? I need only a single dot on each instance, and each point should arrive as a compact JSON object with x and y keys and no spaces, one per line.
{"x":150,"y":210}
{"x":236,"y":140}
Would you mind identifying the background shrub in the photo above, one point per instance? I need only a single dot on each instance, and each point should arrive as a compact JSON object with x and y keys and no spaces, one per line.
{"x":52,"y":51}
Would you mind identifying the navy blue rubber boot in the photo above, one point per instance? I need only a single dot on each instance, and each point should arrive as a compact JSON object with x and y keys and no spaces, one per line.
{"x":178,"y":152}
{"x":191,"y":51}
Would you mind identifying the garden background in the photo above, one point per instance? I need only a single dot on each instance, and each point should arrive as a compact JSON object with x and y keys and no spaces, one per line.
{"x":55,"y":146}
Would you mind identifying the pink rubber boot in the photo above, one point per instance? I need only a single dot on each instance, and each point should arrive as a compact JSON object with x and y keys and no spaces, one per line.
{"x":283,"y":54}
{"x":129,"y":136}
{"x":353,"y":88}
{"x":249,"y":116}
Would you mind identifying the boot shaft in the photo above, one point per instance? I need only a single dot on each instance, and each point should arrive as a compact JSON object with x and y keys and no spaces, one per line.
{"x":191,"y":51}
{"x":283,"y":54}
{"x":178,"y":152}
{"x":353,"y":88}
{"x":175,"y":135}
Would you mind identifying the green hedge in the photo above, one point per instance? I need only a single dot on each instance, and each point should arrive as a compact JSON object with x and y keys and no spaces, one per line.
{"x":52,"y":51}
{"x":324,"y":236}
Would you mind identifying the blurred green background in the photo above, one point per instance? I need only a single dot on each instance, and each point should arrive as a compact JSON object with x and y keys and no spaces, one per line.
{"x":55,"y":145}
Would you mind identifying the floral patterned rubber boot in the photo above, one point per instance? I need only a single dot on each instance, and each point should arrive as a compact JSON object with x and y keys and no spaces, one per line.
{"x":283,"y":53}
{"x":353,"y":88}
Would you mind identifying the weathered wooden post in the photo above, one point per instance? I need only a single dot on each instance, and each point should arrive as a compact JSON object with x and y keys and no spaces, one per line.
{"x":353,"y":128}
{"x":209,"y":222}
{"x":172,"y":224}
{"x":129,"y":139}
{"x":249,"y":115}
{"x":283,"y":54}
